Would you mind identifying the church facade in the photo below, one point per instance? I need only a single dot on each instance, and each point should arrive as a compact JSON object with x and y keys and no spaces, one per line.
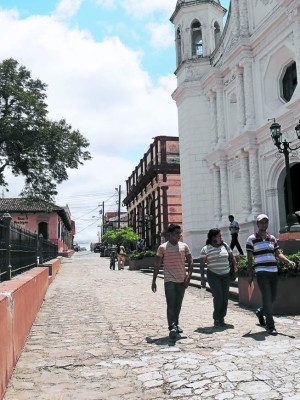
{"x":232,"y":82}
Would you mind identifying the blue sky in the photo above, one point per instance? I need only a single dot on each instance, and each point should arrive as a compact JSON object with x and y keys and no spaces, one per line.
{"x":109,"y":66}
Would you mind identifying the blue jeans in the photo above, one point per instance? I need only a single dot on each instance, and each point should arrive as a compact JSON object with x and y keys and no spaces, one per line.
{"x":267,"y":282}
{"x":219,"y":285}
{"x":174,"y":293}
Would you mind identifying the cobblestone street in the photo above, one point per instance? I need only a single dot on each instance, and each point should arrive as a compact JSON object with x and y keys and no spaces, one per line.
{"x":102,"y":334}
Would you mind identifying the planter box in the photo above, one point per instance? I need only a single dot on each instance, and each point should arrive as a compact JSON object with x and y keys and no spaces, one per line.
{"x":287,"y":301}
{"x":145,"y":262}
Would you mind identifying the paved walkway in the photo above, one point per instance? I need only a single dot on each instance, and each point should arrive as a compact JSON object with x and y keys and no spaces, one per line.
{"x":101,"y":335}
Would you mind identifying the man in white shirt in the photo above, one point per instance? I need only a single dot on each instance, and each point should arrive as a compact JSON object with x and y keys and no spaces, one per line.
{"x":234,"y":231}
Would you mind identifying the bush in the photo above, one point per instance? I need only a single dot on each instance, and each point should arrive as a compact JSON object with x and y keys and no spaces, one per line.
{"x":139,"y":255}
{"x":283,"y":268}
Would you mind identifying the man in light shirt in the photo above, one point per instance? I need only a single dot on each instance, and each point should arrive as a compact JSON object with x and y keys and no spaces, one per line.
{"x":173,"y":254}
{"x":234,"y":231}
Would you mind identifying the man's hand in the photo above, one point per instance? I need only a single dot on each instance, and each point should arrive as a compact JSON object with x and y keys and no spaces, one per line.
{"x":292,"y":264}
{"x":186,"y":281}
{"x":154,"y":287}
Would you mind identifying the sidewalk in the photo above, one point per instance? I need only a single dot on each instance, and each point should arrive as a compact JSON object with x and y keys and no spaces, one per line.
{"x":102,"y":335}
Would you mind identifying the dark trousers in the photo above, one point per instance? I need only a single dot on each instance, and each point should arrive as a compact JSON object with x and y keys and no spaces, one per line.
{"x":267,"y":282}
{"x":219,"y":285}
{"x":112,"y":264}
{"x":174,"y":293}
{"x":235,"y":243}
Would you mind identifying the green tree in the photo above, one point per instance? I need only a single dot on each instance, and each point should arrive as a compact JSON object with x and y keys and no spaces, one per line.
{"x":31,"y":145}
{"x":123,"y":235}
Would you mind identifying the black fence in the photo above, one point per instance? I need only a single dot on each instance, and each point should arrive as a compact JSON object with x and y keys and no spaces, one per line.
{"x":21,"y":250}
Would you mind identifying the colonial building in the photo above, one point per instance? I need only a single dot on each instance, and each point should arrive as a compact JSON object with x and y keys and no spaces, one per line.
{"x":153,"y":197}
{"x":230,"y":83}
{"x":42,"y":218}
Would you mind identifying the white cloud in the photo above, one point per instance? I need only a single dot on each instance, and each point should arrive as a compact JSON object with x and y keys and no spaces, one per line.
{"x":146,"y":7}
{"x":105,"y":3}
{"x":67,"y":8}
{"x":101,"y":89}
{"x":162,"y":35}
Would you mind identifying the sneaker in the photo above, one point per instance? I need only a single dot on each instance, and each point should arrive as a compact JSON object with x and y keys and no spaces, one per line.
{"x":272,"y":331}
{"x":173,"y":333}
{"x":261,"y":318}
{"x":179,"y":329}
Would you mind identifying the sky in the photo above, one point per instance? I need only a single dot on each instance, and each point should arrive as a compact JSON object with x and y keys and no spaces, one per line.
{"x":109,"y":68}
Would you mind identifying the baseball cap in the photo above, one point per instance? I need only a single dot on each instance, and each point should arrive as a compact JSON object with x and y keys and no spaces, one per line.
{"x":262,"y":216}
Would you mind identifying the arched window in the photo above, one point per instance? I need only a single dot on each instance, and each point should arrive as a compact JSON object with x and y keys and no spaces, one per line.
{"x":289,"y":82}
{"x":217,"y":33}
{"x":197,"y":49}
{"x":178,"y":47}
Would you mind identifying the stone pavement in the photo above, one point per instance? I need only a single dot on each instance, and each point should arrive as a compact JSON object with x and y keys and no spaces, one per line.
{"x":102,"y":335}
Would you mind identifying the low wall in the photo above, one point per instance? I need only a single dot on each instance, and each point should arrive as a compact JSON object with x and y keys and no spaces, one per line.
{"x":53,"y":266}
{"x":20,"y":301}
{"x":287,"y":300}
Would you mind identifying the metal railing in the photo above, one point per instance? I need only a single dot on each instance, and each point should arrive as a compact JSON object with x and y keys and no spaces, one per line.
{"x":21,"y":250}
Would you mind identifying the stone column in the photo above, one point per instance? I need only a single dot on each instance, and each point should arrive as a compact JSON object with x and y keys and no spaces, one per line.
{"x":217,"y":193}
{"x":240,"y":97}
{"x":246,"y":191}
{"x":213,"y":116}
{"x":224,"y":191}
{"x":296,"y":13}
{"x":220,"y":115}
{"x":254,"y":181}
{"x":235,"y":19}
{"x":244,"y":23}
{"x":248,"y":92}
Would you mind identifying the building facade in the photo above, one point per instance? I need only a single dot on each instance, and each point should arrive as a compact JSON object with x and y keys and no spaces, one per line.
{"x":52,"y":222}
{"x":153,"y":191}
{"x":230,"y":82}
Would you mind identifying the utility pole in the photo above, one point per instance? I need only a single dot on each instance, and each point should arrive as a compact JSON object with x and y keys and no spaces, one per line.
{"x":119,"y":208}
{"x":102,"y":225}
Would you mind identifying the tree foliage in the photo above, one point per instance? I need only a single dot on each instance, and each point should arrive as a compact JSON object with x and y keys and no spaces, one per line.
{"x":31,"y":145}
{"x":123,"y":235}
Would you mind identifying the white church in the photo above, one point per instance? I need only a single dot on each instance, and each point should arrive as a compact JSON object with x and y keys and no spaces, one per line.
{"x":233,"y":82}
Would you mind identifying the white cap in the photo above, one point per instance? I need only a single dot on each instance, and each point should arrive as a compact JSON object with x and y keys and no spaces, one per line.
{"x":262,"y":216}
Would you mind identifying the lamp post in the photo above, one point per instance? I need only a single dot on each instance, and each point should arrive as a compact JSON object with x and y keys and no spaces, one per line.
{"x":284,"y":147}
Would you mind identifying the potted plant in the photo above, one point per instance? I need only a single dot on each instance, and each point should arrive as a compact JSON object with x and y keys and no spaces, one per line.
{"x":287,"y":301}
{"x":141,"y":259}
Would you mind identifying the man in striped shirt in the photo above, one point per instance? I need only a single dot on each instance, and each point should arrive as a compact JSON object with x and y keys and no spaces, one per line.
{"x":262,"y":251}
{"x":173,"y":254}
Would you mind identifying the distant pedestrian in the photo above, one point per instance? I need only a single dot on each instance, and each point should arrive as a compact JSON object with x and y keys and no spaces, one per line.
{"x":234,"y":231}
{"x":216,"y":254}
{"x":121,"y":257}
{"x":140,"y":246}
{"x":112,"y":264}
{"x":173,"y":254}
{"x":262,"y":251}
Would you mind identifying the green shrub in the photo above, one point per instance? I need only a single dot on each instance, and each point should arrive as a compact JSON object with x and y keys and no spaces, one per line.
{"x":283,"y":268}
{"x":139,"y":255}
{"x":136,"y":255}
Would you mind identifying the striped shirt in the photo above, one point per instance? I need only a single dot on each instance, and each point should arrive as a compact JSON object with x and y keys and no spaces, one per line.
{"x":216,"y":258}
{"x":174,"y":260}
{"x":263,"y":252}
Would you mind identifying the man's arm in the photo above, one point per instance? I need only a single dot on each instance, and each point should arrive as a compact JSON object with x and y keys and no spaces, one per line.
{"x":158,"y":261}
{"x":190,"y":261}
{"x":250,"y":269}
{"x":282,"y":257}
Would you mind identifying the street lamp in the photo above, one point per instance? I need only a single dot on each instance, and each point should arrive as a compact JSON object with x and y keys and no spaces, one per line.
{"x":284,"y":147}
